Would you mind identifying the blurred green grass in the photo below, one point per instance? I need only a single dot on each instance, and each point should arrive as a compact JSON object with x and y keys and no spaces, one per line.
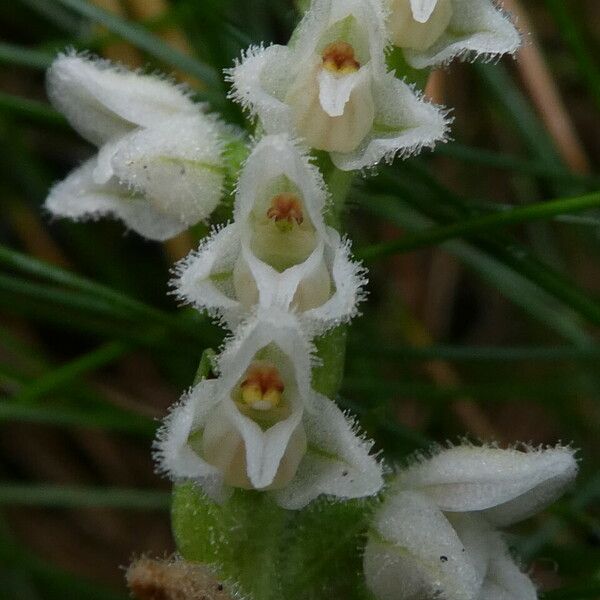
{"x":482,"y":318}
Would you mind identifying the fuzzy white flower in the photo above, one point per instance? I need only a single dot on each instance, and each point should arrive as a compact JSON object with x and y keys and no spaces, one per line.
{"x":435,"y":535}
{"x":330,"y":87}
{"x":433,"y":32}
{"x":159,"y":168}
{"x":260,"y":425}
{"x":278,"y":250}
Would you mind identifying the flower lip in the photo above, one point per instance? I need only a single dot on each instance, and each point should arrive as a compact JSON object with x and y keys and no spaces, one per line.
{"x":339,"y":58}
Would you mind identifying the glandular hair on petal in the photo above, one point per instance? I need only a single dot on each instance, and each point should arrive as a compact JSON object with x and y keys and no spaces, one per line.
{"x":407,"y":32}
{"x":342,"y":133}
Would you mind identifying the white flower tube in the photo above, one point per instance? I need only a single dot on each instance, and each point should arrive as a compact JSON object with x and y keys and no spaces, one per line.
{"x":433,"y":32}
{"x":159,"y":168}
{"x":278,"y":250}
{"x":261,"y":426}
{"x":435,"y":536}
{"x":330,"y":87}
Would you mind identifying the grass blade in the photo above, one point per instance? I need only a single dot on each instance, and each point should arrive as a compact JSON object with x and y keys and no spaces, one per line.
{"x":26,"y":57}
{"x":140,"y":37}
{"x":118,"y":421}
{"x":515,"y":216}
{"x":31,"y":109}
{"x":58,"y":378}
{"x":58,"y":496}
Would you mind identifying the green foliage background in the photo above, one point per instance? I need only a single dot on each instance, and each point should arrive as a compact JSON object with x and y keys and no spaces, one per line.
{"x":482,"y":318}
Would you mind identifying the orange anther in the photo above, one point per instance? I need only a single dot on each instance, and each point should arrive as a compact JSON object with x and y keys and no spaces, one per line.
{"x":339,"y":58}
{"x":286,"y":207}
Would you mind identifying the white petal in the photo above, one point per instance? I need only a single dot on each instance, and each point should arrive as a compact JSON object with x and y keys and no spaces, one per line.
{"x":504,"y":579}
{"x":177,"y":164}
{"x":413,"y":553}
{"x":422,"y":9}
{"x":103,"y":101}
{"x":80,"y":197}
{"x":404,"y":124}
{"x":172,"y":452}
{"x":509,"y":485}
{"x":337,"y":462}
{"x":477,"y":27}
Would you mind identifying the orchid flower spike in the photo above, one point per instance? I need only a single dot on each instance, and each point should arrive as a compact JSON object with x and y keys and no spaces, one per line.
{"x":435,"y":535}
{"x":433,"y":32}
{"x":278,"y":250}
{"x":260,"y":425}
{"x":330,"y":87}
{"x":159,"y":168}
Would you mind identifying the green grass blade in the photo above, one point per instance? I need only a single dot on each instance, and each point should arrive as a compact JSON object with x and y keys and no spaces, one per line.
{"x":572,"y":33}
{"x":115,"y":420}
{"x":140,"y":37}
{"x":498,"y":81}
{"x":515,"y":216}
{"x":31,"y":109}
{"x":477,"y":354}
{"x":586,"y":592}
{"x":58,"y":496}
{"x":25,"y":57}
{"x":21,"y":262}
{"x":58,"y":378}
{"x":507,"y":162}
{"x":57,"y":15}
{"x":524,"y":293}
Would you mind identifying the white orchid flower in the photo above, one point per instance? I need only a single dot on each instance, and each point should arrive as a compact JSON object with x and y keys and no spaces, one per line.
{"x":435,"y":535}
{"x":159,"y":168}
{"x":433,"y":32}
{"x":278,"y":251}
{"x":330,"y":87}
{"x":261,"y":426}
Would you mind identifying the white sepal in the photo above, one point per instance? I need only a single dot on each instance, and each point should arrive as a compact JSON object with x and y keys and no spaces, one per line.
{"x":337,"y":460}
{"x":103,"y":101}
{"x":79,"y":197}
{"x":454,"y":28}
{"x":505,"y":485}
{"x":414,"y":552}
{"x":361,"y":115}
{"x":177,"y":165}
{"x":504,"y":580}
{"x":174,"y":455}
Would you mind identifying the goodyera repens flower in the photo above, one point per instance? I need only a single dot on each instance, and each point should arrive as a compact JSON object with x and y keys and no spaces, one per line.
{"x":433,"y":32}
{"x":260,"y":425}
{"x":330,"y":87}
{"x":278,"y":250}
{"x":435,"y":537}
{"x":159,"y":168}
